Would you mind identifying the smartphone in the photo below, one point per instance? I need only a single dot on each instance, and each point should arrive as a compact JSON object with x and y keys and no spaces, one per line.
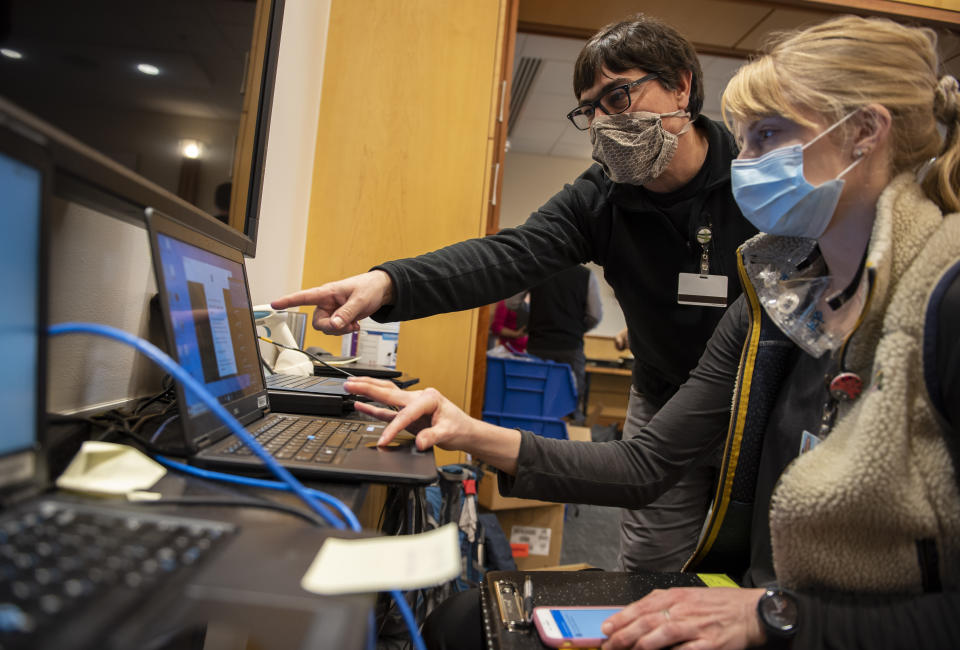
{"x":572,"y":627}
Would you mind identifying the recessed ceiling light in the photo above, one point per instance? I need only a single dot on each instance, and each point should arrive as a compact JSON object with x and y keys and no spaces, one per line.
{"x":10,"y":54}
{"x":147,"y":68}
{"x":191,"y":148}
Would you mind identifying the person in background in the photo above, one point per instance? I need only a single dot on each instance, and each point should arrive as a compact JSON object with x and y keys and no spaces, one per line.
{"x":839,"y":505}
{"x":562,"y":309}
{"x":655,"y":210}
{"x":621,"y":340}
{"x":506,"y":328}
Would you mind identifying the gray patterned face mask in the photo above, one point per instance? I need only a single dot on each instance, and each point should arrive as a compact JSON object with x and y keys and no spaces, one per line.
{"x":634,"y":147}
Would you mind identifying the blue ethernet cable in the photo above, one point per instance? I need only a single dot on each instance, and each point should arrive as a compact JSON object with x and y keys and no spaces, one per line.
{"x":352,"y":522}
{"x":159,"y":357}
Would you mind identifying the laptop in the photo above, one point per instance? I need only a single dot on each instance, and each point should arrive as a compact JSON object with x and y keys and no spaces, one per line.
{"x":81,"y":573}
{"x":205,"y":300}
{"x":308,"y":395}
{"x":319,"y":394}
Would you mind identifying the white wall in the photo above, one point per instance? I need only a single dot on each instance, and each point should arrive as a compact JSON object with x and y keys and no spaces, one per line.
{"x":529,"y":181}
{"x":278,"y":266}
{"x":102,"y":283}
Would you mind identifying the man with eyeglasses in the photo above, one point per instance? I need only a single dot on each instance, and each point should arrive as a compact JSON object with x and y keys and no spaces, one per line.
{"x":656,"y":212}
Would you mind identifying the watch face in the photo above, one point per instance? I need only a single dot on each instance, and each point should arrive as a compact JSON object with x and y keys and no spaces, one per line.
{"x":779,"y":611}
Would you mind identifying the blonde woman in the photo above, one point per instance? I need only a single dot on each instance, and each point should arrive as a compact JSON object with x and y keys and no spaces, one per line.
{"x":838,"y":507}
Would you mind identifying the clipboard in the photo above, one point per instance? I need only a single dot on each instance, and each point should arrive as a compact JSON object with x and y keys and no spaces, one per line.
{"x":564,"y":588}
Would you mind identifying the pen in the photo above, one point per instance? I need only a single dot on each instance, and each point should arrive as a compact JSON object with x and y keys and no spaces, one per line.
{"x":528,"y":598}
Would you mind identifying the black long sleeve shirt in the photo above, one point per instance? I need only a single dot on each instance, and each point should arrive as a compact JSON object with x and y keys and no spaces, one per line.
{"x":643,"y":240}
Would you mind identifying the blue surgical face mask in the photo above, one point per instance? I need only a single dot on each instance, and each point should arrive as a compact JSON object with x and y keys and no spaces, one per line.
{"x":775,"y":197}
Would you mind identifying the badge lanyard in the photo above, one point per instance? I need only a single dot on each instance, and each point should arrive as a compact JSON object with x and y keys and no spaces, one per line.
{"x":844,"y":386}
{"x":702,"y":289}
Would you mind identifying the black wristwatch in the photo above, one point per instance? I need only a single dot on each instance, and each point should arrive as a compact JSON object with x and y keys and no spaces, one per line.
{"x":779,"y":613}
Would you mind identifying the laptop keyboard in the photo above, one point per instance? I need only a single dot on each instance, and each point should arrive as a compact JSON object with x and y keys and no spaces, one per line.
{"x":310,"y":441}
{"x":295,"y":381}
{"x":58,"y":558}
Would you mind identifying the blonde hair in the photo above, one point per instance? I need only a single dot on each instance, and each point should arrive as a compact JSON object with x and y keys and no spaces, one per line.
{"x":840,"y":65}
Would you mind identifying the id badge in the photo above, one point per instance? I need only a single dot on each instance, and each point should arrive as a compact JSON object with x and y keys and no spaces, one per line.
{"x":808,"y":441}
{"x":702,"y":290}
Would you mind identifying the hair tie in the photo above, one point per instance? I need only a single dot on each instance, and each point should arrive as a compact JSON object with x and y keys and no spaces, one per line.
{"x":946,"y":98}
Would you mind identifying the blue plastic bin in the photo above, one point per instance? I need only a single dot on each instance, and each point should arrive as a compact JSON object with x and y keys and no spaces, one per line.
{"x":529,"y":388}
{"x":546,"y":427}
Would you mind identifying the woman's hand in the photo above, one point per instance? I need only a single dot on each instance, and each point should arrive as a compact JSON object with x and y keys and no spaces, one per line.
{"x":435,"y":420}
{"x":689,"y":618}
{"x":428,"y":414}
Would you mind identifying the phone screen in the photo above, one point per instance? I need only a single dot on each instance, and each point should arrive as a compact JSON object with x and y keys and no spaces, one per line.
{"x":582,"y":623}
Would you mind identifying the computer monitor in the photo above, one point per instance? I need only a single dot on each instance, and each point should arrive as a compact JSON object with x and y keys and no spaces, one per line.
{"x":150,"y":84}
{"x":24,"y":176}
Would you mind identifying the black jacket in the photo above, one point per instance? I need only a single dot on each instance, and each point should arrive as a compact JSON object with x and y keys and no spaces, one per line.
{"x":617,"y":226}
{"x":558,"y":311}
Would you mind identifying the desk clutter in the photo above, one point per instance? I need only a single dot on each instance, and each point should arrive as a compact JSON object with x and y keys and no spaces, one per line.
{"x":534,"y":529}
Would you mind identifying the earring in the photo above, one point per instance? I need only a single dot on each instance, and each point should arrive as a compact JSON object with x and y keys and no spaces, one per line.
{"x":858,"y":153}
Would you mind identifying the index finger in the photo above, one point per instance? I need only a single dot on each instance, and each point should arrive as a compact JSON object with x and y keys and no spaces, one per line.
{"x":421,"y":405}
{"x":298,"y":298}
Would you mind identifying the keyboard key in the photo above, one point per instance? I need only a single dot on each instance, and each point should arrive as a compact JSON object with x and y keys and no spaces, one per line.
{"x":51,"y":604}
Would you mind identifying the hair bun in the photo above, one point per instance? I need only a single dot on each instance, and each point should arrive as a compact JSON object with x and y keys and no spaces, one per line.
{"x":946,"y":99}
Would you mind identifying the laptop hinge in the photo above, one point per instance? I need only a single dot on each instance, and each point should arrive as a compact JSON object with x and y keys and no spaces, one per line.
{"x":209,"y":438}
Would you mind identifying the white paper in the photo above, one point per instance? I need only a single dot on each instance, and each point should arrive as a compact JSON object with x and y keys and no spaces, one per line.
{"x":345,"y":566}
{"x":108,"y":468}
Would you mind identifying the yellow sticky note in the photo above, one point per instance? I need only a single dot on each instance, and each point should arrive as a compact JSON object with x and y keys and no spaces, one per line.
{"x":717,"y":580}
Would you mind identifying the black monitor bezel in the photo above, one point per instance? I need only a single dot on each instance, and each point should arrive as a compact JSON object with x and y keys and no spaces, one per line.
{"x":264,"y":111}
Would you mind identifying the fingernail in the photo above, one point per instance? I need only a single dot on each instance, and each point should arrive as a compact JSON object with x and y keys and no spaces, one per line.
{"x":337,"y":321}
{"x":606,"y":628}
{"x":381,"y":441}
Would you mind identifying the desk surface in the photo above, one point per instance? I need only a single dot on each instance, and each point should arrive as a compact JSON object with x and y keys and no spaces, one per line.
{"x":607,"y":370}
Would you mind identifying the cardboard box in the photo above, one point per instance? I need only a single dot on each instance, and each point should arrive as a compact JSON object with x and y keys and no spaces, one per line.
{"x":579,"y":433}
{"x":488,"y":495}
{"x":541,"y":528}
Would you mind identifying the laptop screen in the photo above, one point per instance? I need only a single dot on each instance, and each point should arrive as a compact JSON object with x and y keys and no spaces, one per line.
{"x":210,"y":315}
{"x":21,"y":188}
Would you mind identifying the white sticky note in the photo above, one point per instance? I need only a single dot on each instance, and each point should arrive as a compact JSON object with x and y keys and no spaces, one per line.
{"x":109,"y":468}
{"x":346,"y":566}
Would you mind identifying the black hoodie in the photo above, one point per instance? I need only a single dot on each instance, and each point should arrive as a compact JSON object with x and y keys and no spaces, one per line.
{"x":623,"y":228}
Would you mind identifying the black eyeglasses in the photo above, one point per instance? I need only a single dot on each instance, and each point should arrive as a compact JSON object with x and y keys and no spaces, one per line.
{"x":614,"y":101}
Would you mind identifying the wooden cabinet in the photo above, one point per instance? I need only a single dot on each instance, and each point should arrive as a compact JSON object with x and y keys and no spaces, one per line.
{"x":408,"y":159}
